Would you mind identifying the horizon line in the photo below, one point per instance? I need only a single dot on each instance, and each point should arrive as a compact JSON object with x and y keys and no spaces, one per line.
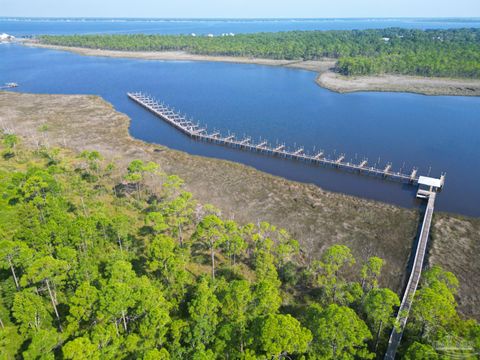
{"x":243,"y":18}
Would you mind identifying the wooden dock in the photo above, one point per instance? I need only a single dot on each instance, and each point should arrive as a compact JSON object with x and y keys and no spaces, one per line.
{"x":194,"y":131}
{"x":409,"y":294}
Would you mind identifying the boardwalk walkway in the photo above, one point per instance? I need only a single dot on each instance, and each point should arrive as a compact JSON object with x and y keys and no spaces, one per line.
{"x":195,"y":131}
{"x":403,"y":312}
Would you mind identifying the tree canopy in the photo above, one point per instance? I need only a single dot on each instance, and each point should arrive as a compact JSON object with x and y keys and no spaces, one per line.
{"x":97,"y":264}
{"x":445,"y":53}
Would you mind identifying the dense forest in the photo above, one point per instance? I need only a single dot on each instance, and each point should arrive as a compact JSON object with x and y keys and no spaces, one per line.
{"x":103,"y":262}
{"x":445,"y":53}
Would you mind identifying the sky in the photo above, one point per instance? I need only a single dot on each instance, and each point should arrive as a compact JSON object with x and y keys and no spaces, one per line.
{"x":240,"y":8}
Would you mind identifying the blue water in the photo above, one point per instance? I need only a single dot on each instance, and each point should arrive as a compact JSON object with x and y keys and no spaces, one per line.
{"x":26,"y":27}
{"x":433,"y":133}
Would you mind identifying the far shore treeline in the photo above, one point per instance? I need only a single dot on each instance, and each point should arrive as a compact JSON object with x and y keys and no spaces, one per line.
{"x":443,"y":53}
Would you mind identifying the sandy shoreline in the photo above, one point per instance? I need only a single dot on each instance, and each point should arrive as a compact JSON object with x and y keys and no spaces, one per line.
{"x":399,"y":83}
{"x":326,"y":77}
{"x":317,"y":66}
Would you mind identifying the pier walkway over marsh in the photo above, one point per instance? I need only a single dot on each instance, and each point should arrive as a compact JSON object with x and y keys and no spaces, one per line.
{"x":434,"y":185}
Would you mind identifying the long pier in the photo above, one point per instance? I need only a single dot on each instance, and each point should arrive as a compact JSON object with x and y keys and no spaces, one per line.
{"x":409,"y":294}
{"x":188,"y":127}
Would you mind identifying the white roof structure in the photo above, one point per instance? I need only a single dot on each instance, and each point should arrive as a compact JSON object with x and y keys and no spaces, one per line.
{"x":5,"y":36}
{"x":428,"y":181}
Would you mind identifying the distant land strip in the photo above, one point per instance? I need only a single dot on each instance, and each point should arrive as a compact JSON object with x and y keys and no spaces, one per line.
{"x":367,"y":60}
{"x":326,"y":78}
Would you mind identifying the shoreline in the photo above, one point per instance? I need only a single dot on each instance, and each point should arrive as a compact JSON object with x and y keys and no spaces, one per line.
{"x":399,"y":83}
{"x":326,"y":78}
{"x":313,"y":65}
{"x":317,"y":218}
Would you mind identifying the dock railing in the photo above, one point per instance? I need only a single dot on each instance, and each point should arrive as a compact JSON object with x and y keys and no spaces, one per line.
{"x":193,"y":130}
{"x":409,"y":294}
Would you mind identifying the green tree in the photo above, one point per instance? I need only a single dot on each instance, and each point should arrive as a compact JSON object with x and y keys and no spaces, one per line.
{"x":179,"y":330}
{"x":10,"y":341}
{"x":434,"y":309}
{"x":13,"y":255}
{"x":282,"y":335}
{"x":156,"y":220}
{"x":370,"y":273}
{"x":418,"y":351}
{"x":82,"y":307}
{"x":235,"y":308}
{"x":338,"y":333}
{"x":121,"y":228}
{"x":178,"y":214}
{"x":118,"y":293}
{"x":50,"y":272}
{"x":42,"y":345}
{"x":156,"y":354}
{"x":285,"y":248}
{"x":167,"y":261}
{"x":80,"y":349}
{"x":30,"y":312}
{"x":10,"y":141}
{"x":234,"y":244}
{"x":211,"y":232}
{"x":203,"y":311}
{"x":379,"y":307}
{"x":92,"y":158}
{"x":153,"y":311}
{"x":135,"y":174}
{"x":266,"y":294}
{"x":335,"y":259}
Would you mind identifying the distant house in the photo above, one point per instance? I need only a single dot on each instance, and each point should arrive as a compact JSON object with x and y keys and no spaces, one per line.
{"x":6,"y":37}
{"x":210,"y":35}
{"x":386,"y":39}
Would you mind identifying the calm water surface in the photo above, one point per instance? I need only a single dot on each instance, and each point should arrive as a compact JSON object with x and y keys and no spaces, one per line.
{"x":23,"y":27}
{"x":433,"y":133}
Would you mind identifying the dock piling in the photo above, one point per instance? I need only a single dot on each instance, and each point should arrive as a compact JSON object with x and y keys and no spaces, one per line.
{"x":195,"y":130}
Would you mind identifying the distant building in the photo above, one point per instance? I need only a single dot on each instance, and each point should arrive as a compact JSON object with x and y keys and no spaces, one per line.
{"x":6,"y":37}
{"x":386,"y":39}
{"x":210,"y":35}
{"x":193,"y":34}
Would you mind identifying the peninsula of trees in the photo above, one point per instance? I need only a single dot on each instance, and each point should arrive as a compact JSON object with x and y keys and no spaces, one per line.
{"x":439,"y":53}
{"x":100,"y":262}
